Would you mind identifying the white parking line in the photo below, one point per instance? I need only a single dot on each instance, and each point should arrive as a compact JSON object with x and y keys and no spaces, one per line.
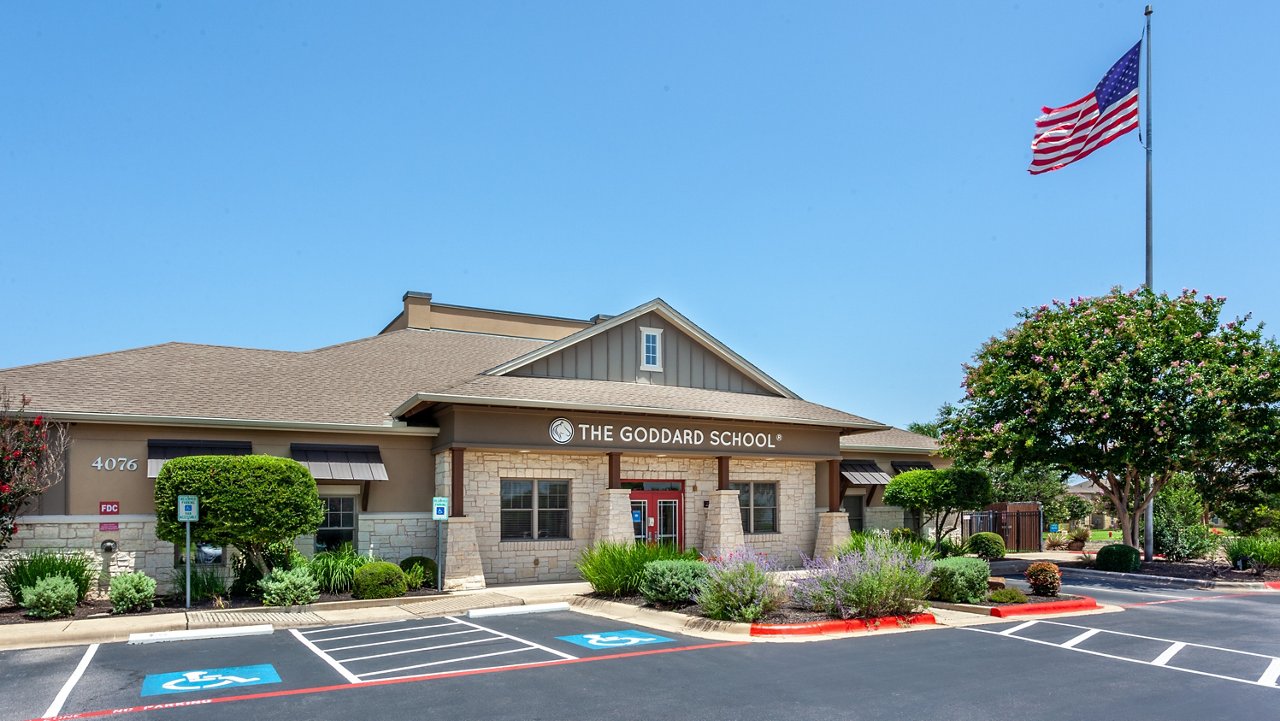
{"x":1268,"y":678}
{"x":61,"y":698}
{"x":451,"y":660}
{"x":379,"y":633}
{"x":347,"y":628}
{"x":399,"y":640}
{"x":350,"y":677}
{"x":513,"y":638}
{"x":416,"y":650}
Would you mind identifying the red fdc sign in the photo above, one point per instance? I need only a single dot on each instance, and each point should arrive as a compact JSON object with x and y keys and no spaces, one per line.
{"x":108,"y":508}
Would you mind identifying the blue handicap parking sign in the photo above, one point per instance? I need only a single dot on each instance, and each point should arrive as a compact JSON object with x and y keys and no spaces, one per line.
{"x":208,"y":679}
{"x":615,"y":639}
{"x":635,"y":517}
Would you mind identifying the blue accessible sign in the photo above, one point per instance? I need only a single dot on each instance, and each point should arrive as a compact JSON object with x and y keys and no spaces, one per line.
{"x":614,"y":639}
{"x":1053,"y":528}
{"x":208,"y":679}
{"x":636,"y":517}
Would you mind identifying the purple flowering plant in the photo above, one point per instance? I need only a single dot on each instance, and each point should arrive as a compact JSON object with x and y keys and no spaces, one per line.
{"x":884,"y":578}
{"x":740,"y":587}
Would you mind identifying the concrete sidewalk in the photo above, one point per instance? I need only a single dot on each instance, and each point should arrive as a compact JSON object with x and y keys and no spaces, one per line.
{"x":118,"y":628}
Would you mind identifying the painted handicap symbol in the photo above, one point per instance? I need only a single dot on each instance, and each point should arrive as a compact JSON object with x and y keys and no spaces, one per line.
{"x":614,"y":639}
{"x":199,"y":681}
{"x":209,"y":679}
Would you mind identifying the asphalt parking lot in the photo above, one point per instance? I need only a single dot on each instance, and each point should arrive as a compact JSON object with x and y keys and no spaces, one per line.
{"x":1172,"y":654}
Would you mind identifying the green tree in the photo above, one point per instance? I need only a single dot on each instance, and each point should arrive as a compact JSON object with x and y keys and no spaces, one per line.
{"x":249,"y":502}
{"x":1065,"y":508}
{"x":940,"y":495}
{"x":32,"y":454}
{"x":1125,"y":389}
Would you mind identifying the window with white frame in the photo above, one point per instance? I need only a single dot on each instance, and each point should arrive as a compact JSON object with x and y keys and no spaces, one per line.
{"x":339,"y":525}
{"x":759,"y":505}
{"x":534,"y":510}
{"x":651,"y":349}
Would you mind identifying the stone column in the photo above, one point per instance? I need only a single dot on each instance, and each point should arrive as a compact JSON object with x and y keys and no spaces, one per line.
{"x":613,"y":519}
{"x":724,"y":524}
{"x":462,"y":569}
{"x":833,"y":530}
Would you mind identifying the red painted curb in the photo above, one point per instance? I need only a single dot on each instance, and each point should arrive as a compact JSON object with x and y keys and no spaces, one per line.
{"x":814,"y":628}
{"x":1035,"y":609}
{"x":1272,"y":584}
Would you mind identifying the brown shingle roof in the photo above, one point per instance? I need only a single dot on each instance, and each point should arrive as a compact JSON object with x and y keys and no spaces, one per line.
{"x":894,"y":438}
{"x":357,"y":382}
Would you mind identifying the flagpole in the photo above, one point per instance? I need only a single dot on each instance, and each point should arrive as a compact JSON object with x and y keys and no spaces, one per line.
{"x":1149,"y":545}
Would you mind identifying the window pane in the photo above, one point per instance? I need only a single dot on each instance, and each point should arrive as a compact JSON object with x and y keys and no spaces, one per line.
{"x":553,"y":524}
{"x":517,"y":524}
{"x":517,"y":494}
{"x":766,"y":520}
{"x":744,"y":493}
{"x":746,"y":520}
{"x":553,"y":495}
{"x":328,"y":539}
{"x":766,"y":494}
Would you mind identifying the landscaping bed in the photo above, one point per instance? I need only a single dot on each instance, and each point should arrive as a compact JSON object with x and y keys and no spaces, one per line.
{"x":1198,"y":570}
{"x":787,"y":613}
{"x":168,"y":604}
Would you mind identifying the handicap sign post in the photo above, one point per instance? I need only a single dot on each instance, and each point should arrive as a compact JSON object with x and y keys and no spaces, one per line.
{"x":440,"y":514}
{"x":615,"y":639}
{"x":208,"y":679}
{"x":188,"y":511}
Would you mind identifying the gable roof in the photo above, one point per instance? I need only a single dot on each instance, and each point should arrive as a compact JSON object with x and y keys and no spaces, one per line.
{"x":894,"y":440}
{"x":671,"y":315}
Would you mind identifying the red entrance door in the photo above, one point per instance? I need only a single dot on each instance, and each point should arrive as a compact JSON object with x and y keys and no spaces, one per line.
{"x":657,"y":516}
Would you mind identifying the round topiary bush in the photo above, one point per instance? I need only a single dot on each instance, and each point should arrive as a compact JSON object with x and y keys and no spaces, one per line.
{"x":1044,"y":578}
{"x":428,"y":569}
{"x":379,"y":580}
{"x":986,"y":545}
{"x":1118,"y":557}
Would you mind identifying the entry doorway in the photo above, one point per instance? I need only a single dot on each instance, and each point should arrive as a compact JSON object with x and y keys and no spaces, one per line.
{"x":657,"y":511}
{"x":854,"y":505}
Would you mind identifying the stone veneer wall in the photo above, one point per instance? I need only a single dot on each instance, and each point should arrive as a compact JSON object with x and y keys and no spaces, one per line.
{"x":389,"y":536}
{"x":588,"y":474}
{"x":137,"y":549}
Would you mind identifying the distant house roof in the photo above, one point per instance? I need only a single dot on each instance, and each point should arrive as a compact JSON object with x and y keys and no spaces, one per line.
{"x":894,"y":440}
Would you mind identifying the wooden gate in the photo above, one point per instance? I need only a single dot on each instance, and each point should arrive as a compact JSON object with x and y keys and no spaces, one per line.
{"x":1018,"y":524}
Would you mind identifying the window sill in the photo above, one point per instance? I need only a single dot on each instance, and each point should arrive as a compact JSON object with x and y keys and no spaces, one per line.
{"x":762,"y":533}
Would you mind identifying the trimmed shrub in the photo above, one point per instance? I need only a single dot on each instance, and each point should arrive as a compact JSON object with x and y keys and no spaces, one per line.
{"x":335,"y":571}
{"x":739,"y":588}
{"x":281,"y":556}
{"x":27,"y":571}
{"x":959,"y":580}
{"x":673,"y":582}
{"x":426,"y":575}
{"x":132,"y":592}
{"x":884,"y":579}
{"x":1045,"y":578}
{"x":1178,"y":542}
{"x":1118,"y":557}
{"x":250,"y":502}
{"x":613,"y":569}
{"x":986,"y":545}
{"x":294,"y":587}
{"x":379,"y":579}
{"x":1007,"y":595}
{"x":50,"y":597}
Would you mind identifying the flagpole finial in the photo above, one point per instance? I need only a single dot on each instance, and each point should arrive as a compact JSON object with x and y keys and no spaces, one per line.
{"x":1148,"y":11}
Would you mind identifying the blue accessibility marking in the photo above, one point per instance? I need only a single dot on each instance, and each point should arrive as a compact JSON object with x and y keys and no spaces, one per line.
{"x":208,"y":679}
{"x":615,"y":639}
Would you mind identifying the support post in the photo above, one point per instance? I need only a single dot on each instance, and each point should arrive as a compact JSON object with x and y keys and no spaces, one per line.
{"x":456,"y":509}
{"x":722,"y":467}
{"x":615,"y":470}
{"x":188,"y":564}
{"x":833,"y":486}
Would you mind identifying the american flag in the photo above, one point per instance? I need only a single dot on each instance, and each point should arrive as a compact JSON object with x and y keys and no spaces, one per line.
{"x":1071,"y":132}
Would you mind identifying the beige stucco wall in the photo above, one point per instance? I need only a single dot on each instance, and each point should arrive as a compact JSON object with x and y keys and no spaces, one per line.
{"x":407,"y":459}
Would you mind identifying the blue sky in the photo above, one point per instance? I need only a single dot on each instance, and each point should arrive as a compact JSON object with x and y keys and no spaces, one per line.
{"x":835,"y":190}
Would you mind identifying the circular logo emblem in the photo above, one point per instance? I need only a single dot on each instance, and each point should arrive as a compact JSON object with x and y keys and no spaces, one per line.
{"x":561,"y":430}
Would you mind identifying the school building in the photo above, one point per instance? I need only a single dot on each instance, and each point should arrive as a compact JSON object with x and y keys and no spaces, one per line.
{"x":546,"y":434}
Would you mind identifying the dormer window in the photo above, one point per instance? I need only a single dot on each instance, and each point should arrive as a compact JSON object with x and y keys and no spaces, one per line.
{"x":650,"y":349}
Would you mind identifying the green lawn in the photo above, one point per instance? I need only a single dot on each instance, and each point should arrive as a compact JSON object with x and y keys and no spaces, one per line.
{"x":1112,"y":535}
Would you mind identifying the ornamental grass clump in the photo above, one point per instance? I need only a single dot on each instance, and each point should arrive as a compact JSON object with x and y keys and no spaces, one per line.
{"x":335,"y":571}
{"x":884,"y":579}
{"x":740,"y":588}
{"x":26,"y":571}
{"x":614,"y":569}
{"x":901,"y":538}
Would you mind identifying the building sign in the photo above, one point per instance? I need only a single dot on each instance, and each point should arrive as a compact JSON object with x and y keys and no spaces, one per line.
{"x":563,"y":431}
{"x":108,"y":508}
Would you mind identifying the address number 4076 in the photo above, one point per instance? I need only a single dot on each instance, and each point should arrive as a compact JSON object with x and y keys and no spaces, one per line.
{"x":115,"y":464}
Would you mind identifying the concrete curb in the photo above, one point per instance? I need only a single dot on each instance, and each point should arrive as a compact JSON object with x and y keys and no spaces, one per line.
{"x":1083,"y":606}
{"x":1168,"y":580}
{"x":849,"y":625}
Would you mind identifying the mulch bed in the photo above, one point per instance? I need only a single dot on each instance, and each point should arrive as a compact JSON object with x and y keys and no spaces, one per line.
{"x":172,"y":604}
